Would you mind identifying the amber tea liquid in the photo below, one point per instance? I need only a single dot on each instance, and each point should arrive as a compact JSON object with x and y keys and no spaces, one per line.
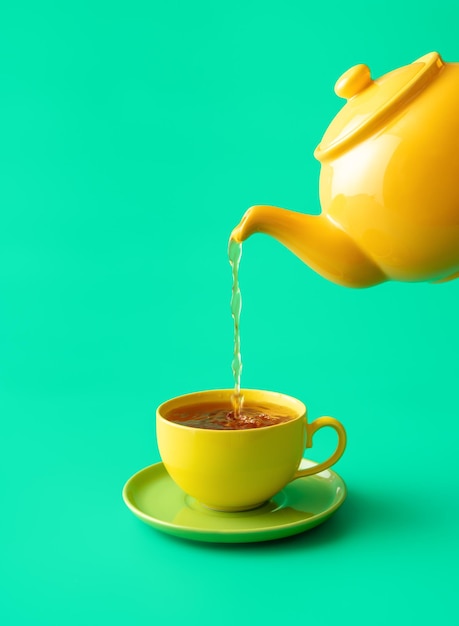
{"x":220,"y":416}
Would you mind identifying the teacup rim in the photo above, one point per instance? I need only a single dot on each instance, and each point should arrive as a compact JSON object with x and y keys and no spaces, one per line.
{"x":301,"y":406}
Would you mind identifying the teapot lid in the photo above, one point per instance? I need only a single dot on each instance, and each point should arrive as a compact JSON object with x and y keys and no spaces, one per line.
{"x":369,"y":101}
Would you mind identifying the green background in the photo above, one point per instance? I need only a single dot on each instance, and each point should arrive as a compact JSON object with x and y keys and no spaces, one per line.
{"x":133,"y":138}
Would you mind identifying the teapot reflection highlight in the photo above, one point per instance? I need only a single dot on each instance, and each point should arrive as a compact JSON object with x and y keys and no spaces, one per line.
{"x":389,"y":182}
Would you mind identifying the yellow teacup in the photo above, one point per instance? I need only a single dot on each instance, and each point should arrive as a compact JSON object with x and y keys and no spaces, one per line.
{"x":237,"y":470}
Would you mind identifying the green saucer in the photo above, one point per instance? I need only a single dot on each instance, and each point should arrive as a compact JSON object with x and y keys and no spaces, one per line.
{"x":304,"y":503}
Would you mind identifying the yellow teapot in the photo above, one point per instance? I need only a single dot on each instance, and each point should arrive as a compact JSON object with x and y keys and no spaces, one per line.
{"x":389,"y":182}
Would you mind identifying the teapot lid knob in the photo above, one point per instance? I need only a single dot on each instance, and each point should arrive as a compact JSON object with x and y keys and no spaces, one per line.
{"x":352,"y":82}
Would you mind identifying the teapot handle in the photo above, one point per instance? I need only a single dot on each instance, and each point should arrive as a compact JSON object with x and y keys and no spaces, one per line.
{"x":313,"y":427}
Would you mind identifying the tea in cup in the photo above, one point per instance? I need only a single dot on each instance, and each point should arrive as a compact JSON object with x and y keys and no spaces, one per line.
{"x":231,"y":462}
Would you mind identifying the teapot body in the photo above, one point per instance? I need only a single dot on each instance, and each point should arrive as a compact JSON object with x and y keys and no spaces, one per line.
{"x":389,"y":182}
{"x":396,"y":192}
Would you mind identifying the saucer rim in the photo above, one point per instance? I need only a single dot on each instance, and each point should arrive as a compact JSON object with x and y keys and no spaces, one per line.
{"x":248,"y":535}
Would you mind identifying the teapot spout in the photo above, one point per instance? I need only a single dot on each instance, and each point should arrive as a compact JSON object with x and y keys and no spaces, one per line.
{"x":316,"y":240}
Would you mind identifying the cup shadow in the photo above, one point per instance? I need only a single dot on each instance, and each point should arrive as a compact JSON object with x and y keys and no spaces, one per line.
{"x":365,"y":513}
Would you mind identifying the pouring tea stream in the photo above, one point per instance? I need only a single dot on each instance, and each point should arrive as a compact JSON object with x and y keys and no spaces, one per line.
{"x":389,"y":182}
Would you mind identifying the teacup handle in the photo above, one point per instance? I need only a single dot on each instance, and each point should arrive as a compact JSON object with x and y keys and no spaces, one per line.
{"x":311,"y":428}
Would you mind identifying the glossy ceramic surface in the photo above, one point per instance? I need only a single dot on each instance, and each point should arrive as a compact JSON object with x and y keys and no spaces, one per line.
{"x":155,"y":499}
{"x":235,"y":470}
{"x":388,"y":182}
